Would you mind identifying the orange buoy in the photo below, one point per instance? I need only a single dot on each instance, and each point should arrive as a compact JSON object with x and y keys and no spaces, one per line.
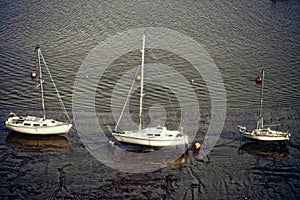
{"x":197,"y":145}
{"x":33,"y":75}
{"x":258,"y":80}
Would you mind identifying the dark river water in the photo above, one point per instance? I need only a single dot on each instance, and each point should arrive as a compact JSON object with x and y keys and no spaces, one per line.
{"x":241,"y":37}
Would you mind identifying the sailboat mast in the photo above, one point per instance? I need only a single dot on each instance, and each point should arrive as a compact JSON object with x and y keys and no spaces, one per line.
{"x":142,"y":85}
{"x":261,"y":121}
{"x":41,"y":81}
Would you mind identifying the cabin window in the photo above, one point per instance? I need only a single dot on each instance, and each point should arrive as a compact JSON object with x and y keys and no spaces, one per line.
{"x":36,"y":124}
{"x":157,"y":135}
{"x":149,"y":134}
{"x":27,"y":124}
{"x":17,"y":121}
{"x":53,"y":121}
{"x":44,"y":124}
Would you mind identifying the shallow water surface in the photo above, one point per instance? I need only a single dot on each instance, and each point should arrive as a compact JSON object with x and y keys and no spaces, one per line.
{"x":242,"y":37}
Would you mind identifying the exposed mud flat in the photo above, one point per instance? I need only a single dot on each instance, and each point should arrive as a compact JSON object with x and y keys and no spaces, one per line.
{"x":61,"y":167}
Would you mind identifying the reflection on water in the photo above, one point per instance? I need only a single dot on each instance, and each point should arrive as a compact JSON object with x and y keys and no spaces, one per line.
{"x":22,"y":142}
{"x":274,"y":150}
{"x":133,"y":148}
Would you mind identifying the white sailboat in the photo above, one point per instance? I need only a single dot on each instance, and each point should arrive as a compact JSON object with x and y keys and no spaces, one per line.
{"x":39,"y":125}
{"x":261,"y":133}
{"x":158,"y":136}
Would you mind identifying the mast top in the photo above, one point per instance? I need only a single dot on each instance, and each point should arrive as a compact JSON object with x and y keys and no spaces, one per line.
{"x":37,"y":47}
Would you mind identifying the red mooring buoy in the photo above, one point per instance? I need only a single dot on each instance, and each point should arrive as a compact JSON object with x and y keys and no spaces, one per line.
{"x":258,"y":80}
{"x":196,"y":147}
{"x":33,"y":75}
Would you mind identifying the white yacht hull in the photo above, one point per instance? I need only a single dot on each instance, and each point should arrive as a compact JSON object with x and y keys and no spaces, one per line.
{"x":152,"y":137}
{"x":265,"y":134}
{"x":153,"y":142}
{"x":36,"y":125}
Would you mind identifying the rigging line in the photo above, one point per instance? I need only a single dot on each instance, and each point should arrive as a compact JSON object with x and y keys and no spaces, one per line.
{"x":59,"y":97}
{"x":123,"y":109}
